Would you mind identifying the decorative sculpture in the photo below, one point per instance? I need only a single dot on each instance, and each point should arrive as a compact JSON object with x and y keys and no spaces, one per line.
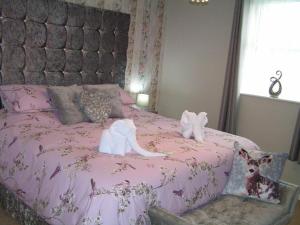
{"x":192,"y":125}
{"x":120,"y":139}
{"x":275,"y":81}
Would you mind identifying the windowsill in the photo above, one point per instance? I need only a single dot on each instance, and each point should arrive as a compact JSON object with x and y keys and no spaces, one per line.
{"x":270,"y":98}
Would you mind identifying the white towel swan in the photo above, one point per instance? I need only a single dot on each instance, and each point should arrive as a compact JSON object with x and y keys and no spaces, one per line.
{"x":192,"y":125}
{"x":120,"y":139}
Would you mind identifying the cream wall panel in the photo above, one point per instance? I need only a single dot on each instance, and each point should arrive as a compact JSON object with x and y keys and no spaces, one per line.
{"x":196,"y":41}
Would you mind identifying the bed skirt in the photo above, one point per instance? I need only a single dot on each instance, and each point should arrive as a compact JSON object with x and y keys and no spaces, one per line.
{"x":17,"y":209}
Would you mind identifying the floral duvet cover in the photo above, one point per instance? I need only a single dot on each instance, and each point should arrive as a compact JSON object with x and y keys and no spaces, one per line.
{"x":57,"y":171}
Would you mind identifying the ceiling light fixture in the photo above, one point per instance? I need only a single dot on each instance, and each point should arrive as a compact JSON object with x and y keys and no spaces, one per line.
{"x":199,"y":2}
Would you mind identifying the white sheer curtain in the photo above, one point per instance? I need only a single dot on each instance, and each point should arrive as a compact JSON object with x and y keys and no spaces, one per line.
{"x":270,"y":42}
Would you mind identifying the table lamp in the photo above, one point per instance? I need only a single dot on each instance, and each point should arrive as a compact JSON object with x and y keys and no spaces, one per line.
{"x":142,"y":100}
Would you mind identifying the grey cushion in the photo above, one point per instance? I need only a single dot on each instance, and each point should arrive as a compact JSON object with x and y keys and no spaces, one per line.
{"x":66,"y":102}
{"x":111,"y":90}
{"x":96,"y":106}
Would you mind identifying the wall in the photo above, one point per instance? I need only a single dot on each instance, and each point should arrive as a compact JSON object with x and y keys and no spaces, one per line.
{"x":270,"y":123}
{"x":193,"y":69}
{"x":195,"y":49}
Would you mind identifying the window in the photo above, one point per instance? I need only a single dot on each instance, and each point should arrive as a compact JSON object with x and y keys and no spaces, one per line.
{"x":271,"y":42}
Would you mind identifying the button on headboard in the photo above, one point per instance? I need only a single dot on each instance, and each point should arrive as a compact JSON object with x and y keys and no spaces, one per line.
{"x":58,"y":43}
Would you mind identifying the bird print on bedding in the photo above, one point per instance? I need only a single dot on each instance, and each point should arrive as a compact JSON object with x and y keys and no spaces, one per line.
{"x":57,"y":170}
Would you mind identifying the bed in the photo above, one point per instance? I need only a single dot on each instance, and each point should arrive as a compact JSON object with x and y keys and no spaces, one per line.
{"x":55,"y":169}
{"x":67,"y":181}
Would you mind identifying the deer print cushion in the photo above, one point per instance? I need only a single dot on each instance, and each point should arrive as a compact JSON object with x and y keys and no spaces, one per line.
{"x":255,"y":174}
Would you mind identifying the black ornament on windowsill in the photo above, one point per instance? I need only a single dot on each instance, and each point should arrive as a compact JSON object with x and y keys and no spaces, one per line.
{"x":275,"y":82}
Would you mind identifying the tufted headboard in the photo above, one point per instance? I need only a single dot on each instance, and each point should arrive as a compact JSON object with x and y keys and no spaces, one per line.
{"x":57,"y":43}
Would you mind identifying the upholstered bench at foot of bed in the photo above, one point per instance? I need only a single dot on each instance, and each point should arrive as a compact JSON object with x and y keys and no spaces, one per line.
{"x":233,"y":210}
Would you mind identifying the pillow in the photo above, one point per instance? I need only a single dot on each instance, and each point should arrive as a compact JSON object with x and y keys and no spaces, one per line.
{"x":255,"y":174}
{"x":66,"y":102}
{"x":126,"y":98}
{"x":95,"y":105}
{"x":112,"y":91}
{"x":25,"y":98}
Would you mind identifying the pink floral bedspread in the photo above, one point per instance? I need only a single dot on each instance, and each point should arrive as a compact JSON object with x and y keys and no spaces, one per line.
{"x":57,"y":170}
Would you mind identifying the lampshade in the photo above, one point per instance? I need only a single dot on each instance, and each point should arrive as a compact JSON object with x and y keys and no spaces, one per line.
{"x":142,"y":100}
{"x":135,"y":87}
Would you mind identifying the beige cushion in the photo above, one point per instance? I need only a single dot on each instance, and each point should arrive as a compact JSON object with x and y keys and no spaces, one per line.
{"x":65,"y":100}
{"x":111,"y":90}
{"x":95,"y":105}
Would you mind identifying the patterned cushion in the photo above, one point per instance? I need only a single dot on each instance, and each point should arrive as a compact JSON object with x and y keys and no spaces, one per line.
{"x":255,"y":174}
{"x":25,"y":98}
{"x":113,"y":92}
{"x":95,"y":105}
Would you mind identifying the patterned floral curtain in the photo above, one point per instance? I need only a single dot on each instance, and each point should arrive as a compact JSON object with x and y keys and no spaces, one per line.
{"x":145,"y":35}
{"x":144,"y":51}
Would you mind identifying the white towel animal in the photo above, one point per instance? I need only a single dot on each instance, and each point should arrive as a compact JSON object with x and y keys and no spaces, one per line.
{"x":120,"y":139}
{"x":192,"y":125}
